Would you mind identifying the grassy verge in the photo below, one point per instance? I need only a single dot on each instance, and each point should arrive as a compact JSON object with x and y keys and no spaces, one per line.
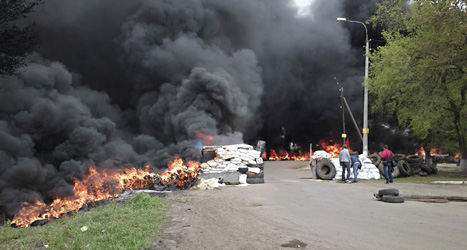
{"x":441,"y":176}
{"x":113,"y":226}
{"x":300,"y":167}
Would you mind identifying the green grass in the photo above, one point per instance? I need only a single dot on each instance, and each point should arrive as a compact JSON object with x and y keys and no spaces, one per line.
{"x":441,"y":176}
{"x":299,"y":167}
{"x":113,"y":226}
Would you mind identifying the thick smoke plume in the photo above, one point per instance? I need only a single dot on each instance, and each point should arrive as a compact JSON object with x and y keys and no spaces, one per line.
{"x":139,"y":82}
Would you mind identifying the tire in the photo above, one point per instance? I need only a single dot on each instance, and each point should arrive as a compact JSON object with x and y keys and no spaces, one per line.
{"x":254,"y":180}
{"x":404,"y":168}
{"x":389,"y":192}
{"x":375,"y":159}
{"x":395,"y":172}
{"x":325,"y":170}
{"x":254,"y":176}
{"x":414,"y":158}
{"x":393,"y":199}
{"x":426,"y":168}
{"x":381,"y":169}
{"x":416,"y":169}
{"x":434,"y":169}
{"x":398,"y":157}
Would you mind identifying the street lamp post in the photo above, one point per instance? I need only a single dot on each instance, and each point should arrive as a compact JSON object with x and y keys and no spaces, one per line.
{"x":365,"y":85}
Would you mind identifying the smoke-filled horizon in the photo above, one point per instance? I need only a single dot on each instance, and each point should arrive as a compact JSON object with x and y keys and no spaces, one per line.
{"x":119,"y":82}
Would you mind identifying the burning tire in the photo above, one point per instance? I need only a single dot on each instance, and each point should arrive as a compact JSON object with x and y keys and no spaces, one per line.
{"x":375,"y":159}
{"x":404,"y":168}
{"x":325,"y":170}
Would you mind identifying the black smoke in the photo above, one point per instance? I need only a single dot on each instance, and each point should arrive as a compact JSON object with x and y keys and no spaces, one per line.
{"x":118,"y":82}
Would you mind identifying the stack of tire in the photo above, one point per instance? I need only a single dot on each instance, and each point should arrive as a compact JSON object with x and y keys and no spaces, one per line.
{"x":255,"y":178}
{"x":377,"y":161}
{"x":390,"y":195}
{"x":406,"y":165}
{"x":325,"y":169}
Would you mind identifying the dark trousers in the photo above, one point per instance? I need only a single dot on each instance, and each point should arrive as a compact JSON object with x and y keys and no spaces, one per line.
{"x":388,"y":171}
{"x":345,"y":166}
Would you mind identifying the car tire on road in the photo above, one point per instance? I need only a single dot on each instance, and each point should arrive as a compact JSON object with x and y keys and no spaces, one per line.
{"x":388,"y":191}
{"x":393,"y":199}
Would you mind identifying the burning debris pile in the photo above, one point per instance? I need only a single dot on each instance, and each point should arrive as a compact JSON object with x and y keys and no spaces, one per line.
{"x":236,"y":159}
{"x":108,"y":184}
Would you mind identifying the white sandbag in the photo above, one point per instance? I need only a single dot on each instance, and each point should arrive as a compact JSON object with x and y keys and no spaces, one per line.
{"x":242,"y":179}
{"x":232,"y":169}
{"x":254,"y":170}
{"x":212,"y":164}
{"x":252,"y":162}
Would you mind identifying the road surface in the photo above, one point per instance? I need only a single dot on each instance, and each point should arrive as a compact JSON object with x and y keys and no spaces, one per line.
{"x":290,"y":210}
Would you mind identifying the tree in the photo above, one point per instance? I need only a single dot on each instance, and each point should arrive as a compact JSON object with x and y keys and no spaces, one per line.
{"x":16,"y":41}
{"x":420,"y":75}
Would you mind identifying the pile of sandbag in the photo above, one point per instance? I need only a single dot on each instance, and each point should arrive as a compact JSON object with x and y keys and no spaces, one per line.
{"x":231,"y":158}
{"x":368,"y":170}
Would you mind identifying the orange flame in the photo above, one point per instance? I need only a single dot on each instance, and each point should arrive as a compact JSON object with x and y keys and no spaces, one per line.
{"x":284,"y":155}
{"x":332,"y":148}
{"x":302,"y":157}
{"x":206,"y":139}
{"x":105,"y":184}
{"x":433,"y":151}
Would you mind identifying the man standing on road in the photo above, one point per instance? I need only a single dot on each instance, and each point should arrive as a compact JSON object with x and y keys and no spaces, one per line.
{"x":344,"y":159}
{"x":387,"y":163}
{"x":356,"y":165}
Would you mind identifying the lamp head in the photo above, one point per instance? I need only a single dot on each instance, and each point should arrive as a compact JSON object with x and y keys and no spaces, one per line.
{"x":339,"y":19}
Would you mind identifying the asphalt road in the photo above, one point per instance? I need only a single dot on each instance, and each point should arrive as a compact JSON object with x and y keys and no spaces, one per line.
{"x":292,"y":210}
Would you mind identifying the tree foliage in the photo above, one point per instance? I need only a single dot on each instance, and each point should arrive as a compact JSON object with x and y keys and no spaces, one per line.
{"x":420,"y":75}
{"x":16,"y":41}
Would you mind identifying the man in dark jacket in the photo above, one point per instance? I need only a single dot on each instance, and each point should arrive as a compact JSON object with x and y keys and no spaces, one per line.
{"x":356,"y":165}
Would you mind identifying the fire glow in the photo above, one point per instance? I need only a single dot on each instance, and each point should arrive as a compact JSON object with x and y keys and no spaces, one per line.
{"x":107,"y":184}
{"x":434,"y":152}
{"x":204,"y":138}
{"x":330,"y":147}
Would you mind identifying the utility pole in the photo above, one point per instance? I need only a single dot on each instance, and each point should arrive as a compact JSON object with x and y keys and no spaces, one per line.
{"x":365,"y":130}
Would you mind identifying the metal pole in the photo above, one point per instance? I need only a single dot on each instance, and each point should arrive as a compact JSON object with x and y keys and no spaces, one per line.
{"x":365,"y":98}
{"x":343,"y":115}
{"x":366,"y":130}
